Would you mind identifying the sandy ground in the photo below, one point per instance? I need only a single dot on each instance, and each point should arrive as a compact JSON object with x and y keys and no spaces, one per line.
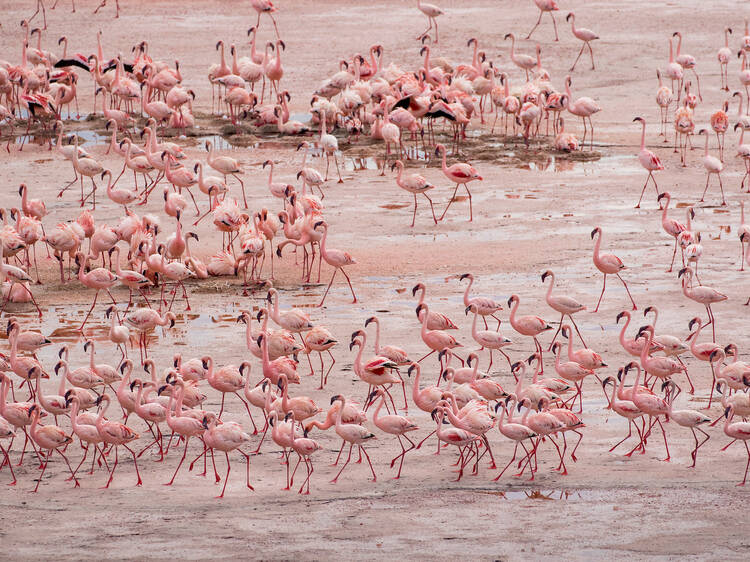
{"x":533,"y":211}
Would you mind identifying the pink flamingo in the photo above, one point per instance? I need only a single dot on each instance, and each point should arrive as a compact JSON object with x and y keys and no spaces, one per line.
{"x":738,"y":430}
{"x":435,"y":320}
{"x":513,"y":431}
{"x":713,"y":165}
{"x":319,"y":339}
{"x":687,"y":418}
{"x":624,"y":408}
{"x":488,"y":339}
{"x":531,"y":326}
{"x":436,"y":340}
{"x":608,"y":264}
{"x":264,"y":7}
{"x":671,"y":226}
{"x":548,"y":6}
{"x":565,"y":305}
{"x":701,"y":294}
{"x":585,"y":35}
{"x":117,"y":435}
{"x":354,"y":435}
{"x":49,"y":437}
{"x":584,"y":108}
{"x":432,"y":12}
{"x":414,"y":184}
{"x":651,"y":405}
{"x":338,"y":259}
{"x":485,"y":306}
{"x":227,"y":437}
{"x":649,"y":161}
{"x":461,"y":173}
{"x":723,"y":56}
{"x":98,"y":279}
{"x":394,"y":425}
{"x":304,"y":447}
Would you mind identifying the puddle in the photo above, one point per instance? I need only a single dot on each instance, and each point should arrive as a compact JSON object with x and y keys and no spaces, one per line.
{"x":539,"y":495}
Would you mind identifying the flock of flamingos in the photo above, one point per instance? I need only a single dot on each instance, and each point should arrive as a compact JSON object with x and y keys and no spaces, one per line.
{"x":129,"y":406}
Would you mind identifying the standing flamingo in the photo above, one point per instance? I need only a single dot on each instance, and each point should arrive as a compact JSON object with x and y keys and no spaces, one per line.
{"x":584,"y":108}
{"x":723,"y":56}
{"x":663,"y":100}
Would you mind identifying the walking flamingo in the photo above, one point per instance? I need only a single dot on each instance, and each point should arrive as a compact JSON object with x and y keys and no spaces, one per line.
{"x":336,"y":258}
{"x":585,"y":35}
{"x":548,"y":6}
{"x":648,"y":160}
{"x":432,"y":12}
{"x":565,"y":305}
{"x":608,"y":264}
{"x":461,"y":173}
{"x":354,"y":435}
{"x":487,"y":338}
{"x":670,"y":226}
{"x":531,"y":326}
{"x":415,"y":184}
{"x":687,"y":62}
{"x":227,"y":437}
{"x":98,"y":279}
{"x":115,"y":434}
{"x":394,"y":425}
{"x":485,"y":306}
{"x":713,"y":165}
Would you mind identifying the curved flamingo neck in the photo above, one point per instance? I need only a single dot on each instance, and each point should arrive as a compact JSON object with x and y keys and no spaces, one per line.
{"x":551,"y":286}
{"x":643,"y":136}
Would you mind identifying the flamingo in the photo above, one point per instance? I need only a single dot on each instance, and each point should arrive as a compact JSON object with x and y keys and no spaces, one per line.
{"x":432,"y":12}
{"x":687,"y":62}
{"x":487,"y":338}
{"x":585,"y":35}
{"x":461,"y":173}
{"x":117,"y":435}
{"x":524,"y":62}
{"x":649,"y":161}
{"x":354,"y":435}
{"x":415,"y":184}
{"x":663,"y":100}
{"x":565,"y":305}
{"x":738,"y":430}
{"x":723,"y":56}
{"x":394,"y":425}
{"x":608,"y":264}
{"x":584,"y":108}
{"x":670,"y":226}
{"x":336,"y":258}
{"x":548,"y":6}
{"x":485,"y":306}
{"x":713,"y":165}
